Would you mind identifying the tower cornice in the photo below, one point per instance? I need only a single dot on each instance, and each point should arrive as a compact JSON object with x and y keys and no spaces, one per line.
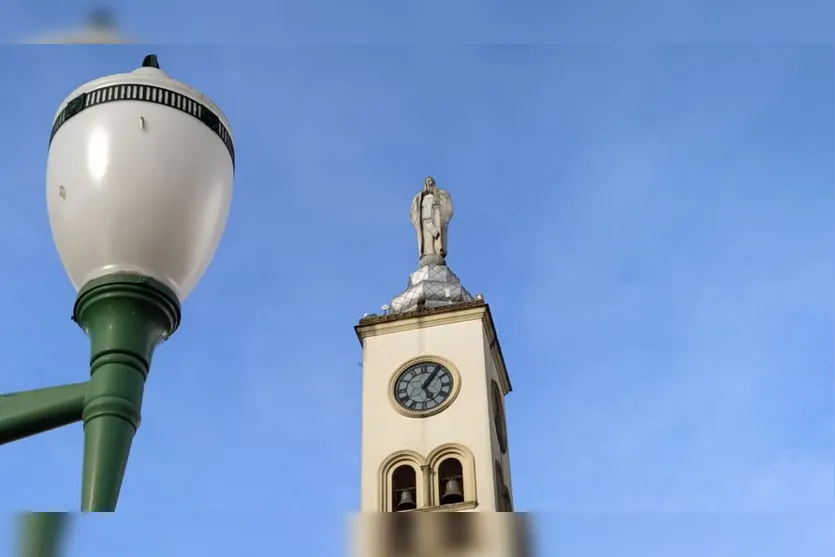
{"x":375,"y":325}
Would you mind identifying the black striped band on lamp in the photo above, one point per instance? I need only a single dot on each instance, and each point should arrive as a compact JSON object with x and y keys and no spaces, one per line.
{"x":145,"y":93}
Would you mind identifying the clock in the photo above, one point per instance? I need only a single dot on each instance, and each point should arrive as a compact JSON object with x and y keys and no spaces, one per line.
{"x":423,"y":387}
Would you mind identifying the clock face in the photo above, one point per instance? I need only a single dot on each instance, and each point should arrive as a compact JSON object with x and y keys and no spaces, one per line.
{"x":423,"y":387}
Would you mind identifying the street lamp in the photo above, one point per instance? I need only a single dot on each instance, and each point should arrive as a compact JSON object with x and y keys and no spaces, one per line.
{"x":139,"y":182}
{"x":100,"y":28}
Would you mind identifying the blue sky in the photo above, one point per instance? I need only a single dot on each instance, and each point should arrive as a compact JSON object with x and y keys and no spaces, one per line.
{"x":651,"y":225}
{"x":290,"y":22}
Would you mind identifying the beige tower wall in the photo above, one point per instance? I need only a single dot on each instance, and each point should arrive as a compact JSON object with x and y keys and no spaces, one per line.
{"x":462,"y":339}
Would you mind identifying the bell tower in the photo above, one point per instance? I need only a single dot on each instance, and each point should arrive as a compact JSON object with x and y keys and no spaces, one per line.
{"x":434,"y":383}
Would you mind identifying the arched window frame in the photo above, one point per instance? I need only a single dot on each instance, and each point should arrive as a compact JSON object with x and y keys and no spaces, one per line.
{"x":504,"y":500}
{"x":498,"y":484}
{"x":449,"y":468}
{"x":507,"y":499}
{"x":465,"y":457}
{"x":499,"y":416}
{"x":387,"y":468}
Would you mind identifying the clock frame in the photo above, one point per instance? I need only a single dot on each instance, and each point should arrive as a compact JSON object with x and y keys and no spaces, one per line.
{"x":407,"y":383}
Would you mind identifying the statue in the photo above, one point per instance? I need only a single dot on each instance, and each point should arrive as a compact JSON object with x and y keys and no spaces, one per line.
{"x":430,"y":214}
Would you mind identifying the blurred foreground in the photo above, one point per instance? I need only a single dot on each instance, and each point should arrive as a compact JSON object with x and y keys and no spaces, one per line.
{"x":41,"y":534}
{"x":389,"y":535}
{"x":98,"y":27}
{"x":253,"y":533}
{"x":443,"y":534}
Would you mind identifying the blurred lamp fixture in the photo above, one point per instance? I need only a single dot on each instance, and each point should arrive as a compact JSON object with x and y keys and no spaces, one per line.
{"x":139,"y":181}
{"x":101,"y":18}
{"x":100,"y":28}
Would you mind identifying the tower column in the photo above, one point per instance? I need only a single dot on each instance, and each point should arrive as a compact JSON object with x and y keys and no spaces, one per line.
{"x":427,"y":485}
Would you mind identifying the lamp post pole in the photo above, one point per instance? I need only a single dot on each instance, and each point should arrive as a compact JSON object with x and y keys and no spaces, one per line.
{"x":126,"y":318}
{"x":140,"y":175}
{"x":42,"y":534}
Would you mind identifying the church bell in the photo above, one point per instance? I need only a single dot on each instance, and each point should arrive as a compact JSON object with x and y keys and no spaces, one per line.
{"x":407,"y":502}
{"x":452,"y":493}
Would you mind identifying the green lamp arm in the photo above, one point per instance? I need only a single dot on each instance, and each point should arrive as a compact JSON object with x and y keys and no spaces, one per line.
{"x":28,"y":413}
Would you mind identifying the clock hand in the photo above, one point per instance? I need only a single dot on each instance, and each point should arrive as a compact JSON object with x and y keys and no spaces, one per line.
{"x":431,"y":378}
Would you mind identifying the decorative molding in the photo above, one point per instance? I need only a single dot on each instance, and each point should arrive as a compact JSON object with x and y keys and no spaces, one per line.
{"x":465,"y":506}
{"x":420,"y":312}
{"x":373,"y":326}
{"x":431,"y":317}
{"x":150,"y":94}
{"x":426,"y":470}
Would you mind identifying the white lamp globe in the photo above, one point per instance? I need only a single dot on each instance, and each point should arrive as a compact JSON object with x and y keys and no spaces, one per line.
{"x":139,"y":179}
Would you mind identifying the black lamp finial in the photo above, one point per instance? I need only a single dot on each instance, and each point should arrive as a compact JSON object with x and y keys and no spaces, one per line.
{"x":150,"y":61}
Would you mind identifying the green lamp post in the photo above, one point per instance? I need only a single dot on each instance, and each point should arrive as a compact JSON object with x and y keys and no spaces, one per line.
{"x":42,"y":534}
{"x":139,"y":183}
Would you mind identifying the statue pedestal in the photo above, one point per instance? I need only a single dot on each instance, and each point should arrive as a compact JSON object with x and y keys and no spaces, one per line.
{"x":432,"y":259}
{"x":430,"y":286}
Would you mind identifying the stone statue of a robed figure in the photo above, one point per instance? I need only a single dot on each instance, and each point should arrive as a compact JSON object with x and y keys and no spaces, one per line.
{"x":430,"y":214}
{"x":433,"y":284}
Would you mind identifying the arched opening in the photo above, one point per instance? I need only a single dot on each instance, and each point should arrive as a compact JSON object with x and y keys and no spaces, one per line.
{"x":401,"y":485}
{"x":498,"y":485}
{"x":453,"y":472}
{"x":507,"y":502}
{"x":499,"y":422}
{"x":451,"y":481}
{"x":403,"y":488}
